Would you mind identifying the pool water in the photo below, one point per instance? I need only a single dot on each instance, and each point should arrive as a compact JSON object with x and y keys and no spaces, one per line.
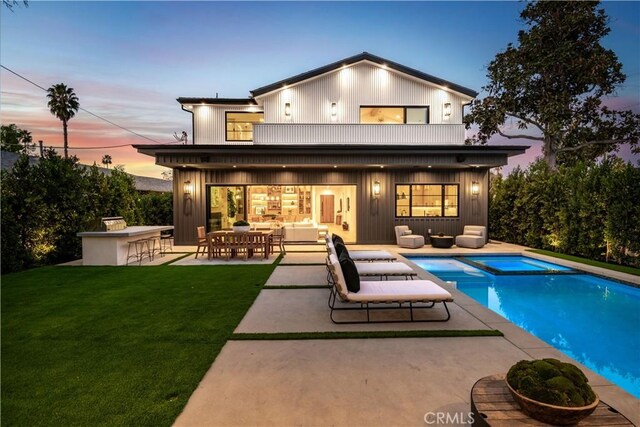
{"x":515,"y":263}
{"x":593,"y":320}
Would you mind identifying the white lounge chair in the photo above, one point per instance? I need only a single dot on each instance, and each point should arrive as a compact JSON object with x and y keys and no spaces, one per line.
{"x":406,"y":239}
{"x":379,"y":269}
{"x":364,"y":255}
{"x":473,"y":236}
{"x":394,"y":294}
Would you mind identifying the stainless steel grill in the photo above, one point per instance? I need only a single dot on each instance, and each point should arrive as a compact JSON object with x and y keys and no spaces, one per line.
{"x":112,"y":223}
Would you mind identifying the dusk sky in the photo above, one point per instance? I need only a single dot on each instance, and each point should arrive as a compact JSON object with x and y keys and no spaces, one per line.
{"x":129,"y":61}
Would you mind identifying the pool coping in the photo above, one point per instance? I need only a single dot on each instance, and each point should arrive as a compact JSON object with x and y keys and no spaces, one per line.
{"x":519,"y":337}
{"x":577,"y":267}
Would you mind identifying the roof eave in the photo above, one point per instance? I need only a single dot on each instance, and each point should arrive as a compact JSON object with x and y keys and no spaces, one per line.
{"x":365,"y":56}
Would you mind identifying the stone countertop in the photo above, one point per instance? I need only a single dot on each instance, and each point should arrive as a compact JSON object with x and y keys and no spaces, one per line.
{"x":128,"y":231}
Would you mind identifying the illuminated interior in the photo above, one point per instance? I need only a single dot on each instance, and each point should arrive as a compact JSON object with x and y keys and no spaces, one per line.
{"x":240,"y":125}
{"x":331,"y":206}
{"x":394,"y":115}
{"x":427,"y":200}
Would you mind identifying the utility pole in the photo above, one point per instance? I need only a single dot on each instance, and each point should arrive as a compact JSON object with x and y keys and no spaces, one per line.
{"x":41,"y":148}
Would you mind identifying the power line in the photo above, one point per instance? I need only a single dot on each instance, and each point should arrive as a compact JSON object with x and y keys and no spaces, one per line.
{"x":97,"y":148}
{"x":86,"y":111}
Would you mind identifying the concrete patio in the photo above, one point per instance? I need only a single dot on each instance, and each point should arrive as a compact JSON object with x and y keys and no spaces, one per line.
{"x":392,"y":381}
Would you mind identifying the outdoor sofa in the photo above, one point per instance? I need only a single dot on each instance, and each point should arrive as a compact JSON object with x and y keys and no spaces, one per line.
{"x":399,"y":295}
{"x":406,"y":239}
{"x":473,"y":236}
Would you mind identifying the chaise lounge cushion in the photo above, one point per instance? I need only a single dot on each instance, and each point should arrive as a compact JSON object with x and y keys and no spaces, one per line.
{"x":402,"y":290}
{"x":350,"y":272}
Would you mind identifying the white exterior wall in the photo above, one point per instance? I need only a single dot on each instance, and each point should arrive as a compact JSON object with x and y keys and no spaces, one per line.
{"x":363,"y":83}
{"x":209,"y":123}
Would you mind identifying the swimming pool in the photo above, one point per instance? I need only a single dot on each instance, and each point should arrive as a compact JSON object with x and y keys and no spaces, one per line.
{"x":593,"y":320}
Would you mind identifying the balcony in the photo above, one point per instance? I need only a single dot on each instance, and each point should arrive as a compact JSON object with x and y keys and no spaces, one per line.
{"x":290,"y":133}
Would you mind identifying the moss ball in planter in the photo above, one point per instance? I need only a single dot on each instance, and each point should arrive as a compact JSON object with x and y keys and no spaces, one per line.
{"x":551,"y":381}
{"x":241,"y":223}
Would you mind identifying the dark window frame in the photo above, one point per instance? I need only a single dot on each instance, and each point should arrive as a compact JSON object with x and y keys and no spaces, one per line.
{"x":226,"y":121}
{"x":442,"y":197}
{"x":404,"y":108}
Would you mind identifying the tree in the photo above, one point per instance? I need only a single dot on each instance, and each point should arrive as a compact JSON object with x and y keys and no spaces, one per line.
{"x":16,"y":140}
{"x":63,"y":103}
{"x":553,"y":82}
{"x":10,"y":4}
{"x":106,"y":160}
{"x":167,"y":175}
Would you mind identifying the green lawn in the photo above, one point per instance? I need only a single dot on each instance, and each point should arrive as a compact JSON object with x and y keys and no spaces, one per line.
{"x":615,"y":267}
{"x":115,"y":345}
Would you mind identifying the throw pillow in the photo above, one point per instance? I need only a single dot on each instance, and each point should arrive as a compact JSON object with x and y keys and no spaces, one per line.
{"x":350,"y":272}
{"x":473,"y":233}
{"x":407,"y":232}
{"x":340,"y":249}
{"x":337,"y":239}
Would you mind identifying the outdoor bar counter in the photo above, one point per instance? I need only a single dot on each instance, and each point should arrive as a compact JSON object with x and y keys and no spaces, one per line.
{"x":110,"y":247}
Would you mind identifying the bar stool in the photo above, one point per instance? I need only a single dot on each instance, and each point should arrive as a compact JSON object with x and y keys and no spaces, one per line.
{"x":140,"y":248}
{"x":155,"y":246}
{"x":166,"y":240}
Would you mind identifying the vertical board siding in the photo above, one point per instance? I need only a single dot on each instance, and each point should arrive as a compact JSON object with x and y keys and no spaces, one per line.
{"x":375,"y":218}
{"x":358,"y":134}
{"x":363,"y":83}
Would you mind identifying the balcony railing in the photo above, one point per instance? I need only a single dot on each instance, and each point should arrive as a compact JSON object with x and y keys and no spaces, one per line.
{"x":290,"y":133}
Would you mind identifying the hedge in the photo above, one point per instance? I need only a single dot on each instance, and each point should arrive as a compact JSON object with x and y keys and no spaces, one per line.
{"x":587,"y":210}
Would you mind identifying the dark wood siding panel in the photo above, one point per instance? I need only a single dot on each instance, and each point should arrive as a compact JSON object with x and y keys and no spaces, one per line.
{"x":375,"y":218}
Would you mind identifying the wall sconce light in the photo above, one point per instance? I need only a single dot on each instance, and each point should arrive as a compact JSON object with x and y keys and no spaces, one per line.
{"x":187,"y":189}
{"x":375,"y":189}
{"x":475,"y":188}
{"x":334,"y":111}
{"x":446,"y":111}
{"x":287,"y":110}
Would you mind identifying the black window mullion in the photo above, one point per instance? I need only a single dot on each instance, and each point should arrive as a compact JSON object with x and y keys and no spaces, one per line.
{"x":442,"y":197}
{"x":410,"y":201}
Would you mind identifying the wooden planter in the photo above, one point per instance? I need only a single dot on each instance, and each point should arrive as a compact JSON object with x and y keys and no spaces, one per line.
{"x":552,"y":414}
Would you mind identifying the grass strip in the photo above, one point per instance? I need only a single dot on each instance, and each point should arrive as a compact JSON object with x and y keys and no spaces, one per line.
{"x":115,"y":346}
{"x":601,"y":264}
{"x":295,"y":287}
{"x":281,"y":336}
{"x":171,"y":261}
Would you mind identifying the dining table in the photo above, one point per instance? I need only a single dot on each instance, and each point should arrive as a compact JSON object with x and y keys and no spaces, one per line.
{"x":227,"y":236}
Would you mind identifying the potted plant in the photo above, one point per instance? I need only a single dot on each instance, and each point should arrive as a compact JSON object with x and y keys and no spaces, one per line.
{"x":241,"y":226}
{"x":551,"y":391}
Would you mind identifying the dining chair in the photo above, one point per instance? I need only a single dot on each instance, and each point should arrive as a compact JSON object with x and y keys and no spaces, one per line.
{"x":277,"y":240}
{"x":203,"y":242}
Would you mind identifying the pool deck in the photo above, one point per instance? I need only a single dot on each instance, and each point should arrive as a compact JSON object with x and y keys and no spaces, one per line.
{"x":392,"y":381}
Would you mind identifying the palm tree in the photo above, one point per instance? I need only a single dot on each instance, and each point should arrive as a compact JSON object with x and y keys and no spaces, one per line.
{"x":63,"y":103}
{"x":106,"y":160}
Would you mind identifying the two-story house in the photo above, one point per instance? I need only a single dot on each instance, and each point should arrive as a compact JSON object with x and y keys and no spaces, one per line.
{"x":354,"y":147}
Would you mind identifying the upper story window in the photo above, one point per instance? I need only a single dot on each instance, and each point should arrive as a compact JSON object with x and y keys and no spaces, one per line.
{"x":239,"y":125}
{"x":394,"y":115}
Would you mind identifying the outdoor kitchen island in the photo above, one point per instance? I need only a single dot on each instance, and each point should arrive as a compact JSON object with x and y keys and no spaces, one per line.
{"x":110,"y":247}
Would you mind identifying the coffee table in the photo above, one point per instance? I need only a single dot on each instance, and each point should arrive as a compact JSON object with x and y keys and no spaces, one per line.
{"x":493,"y":405}
{"x":442,"y":241}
